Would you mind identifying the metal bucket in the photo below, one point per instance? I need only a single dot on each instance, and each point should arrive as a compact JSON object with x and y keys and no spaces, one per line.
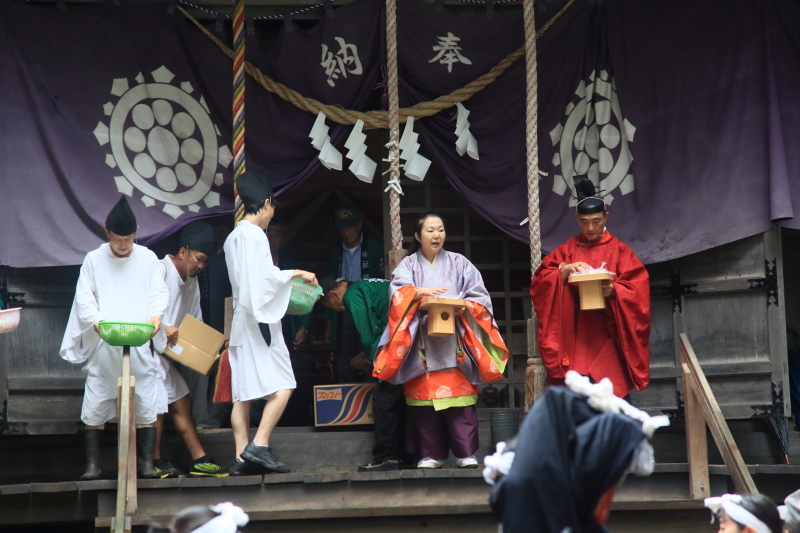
{"x":504,"y":424}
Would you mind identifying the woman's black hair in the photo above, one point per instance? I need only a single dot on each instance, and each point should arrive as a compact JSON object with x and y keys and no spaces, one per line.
{"x":187,"y":520}
{"x":253,"y":209}
{"x":418,"y":229}
{"x":764,"y":509}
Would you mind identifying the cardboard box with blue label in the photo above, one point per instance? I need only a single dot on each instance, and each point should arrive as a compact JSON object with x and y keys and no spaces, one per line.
{"x":346,"y":404}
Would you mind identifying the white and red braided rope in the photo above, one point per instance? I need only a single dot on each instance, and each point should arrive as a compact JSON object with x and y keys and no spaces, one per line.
{"x":238,"y":102}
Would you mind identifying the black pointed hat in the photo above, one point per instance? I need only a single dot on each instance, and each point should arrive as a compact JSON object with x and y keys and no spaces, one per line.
{"x":198,"y":236}
{"x":253,"y":187}
{"x":588,"y":201}
{"x":121,"y":220}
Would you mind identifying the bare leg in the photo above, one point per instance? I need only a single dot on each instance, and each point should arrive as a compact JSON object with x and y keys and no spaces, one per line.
{"x":276,"y":404}
{"x":101,"y":426}
{"x":159,"y":431}
{"x":240,"y":422}
{"x":181,"y":411}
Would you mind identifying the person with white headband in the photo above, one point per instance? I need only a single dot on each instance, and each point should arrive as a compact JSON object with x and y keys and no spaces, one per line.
{"x":751,"y":513}
{"x":220,"y":518}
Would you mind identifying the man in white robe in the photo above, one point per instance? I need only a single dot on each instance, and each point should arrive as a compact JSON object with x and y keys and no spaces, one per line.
{"x":119,"y":282}
{"x":180,"y":275}
{"x":259,"y":358}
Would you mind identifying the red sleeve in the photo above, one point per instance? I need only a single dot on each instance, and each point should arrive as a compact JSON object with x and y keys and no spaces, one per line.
{"x":391,"y":355}
{"x":630,"y":311}
{"x":552,"y":301}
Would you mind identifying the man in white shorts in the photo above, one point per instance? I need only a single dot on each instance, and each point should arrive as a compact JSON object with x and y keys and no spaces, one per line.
{"x":259,"y":358}
{"x":180,"y":275}
{"x":119,"y":282}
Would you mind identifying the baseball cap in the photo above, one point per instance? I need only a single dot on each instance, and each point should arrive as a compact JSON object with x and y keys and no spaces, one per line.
{"x":346,"y":216}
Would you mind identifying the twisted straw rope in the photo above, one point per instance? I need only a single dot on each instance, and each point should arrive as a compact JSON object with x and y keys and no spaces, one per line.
{"x":378,"y":119}
{"x":238,"y":104}
{"x":531,"y":136}
{"x":394,"y":122}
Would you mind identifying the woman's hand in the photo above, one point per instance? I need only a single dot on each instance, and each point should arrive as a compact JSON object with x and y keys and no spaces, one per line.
{"x":427,"y":291}
{"x":308,"y":277}
{"x":572,"y":268}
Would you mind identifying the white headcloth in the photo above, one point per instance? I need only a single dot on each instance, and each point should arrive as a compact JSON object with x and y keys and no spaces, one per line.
{"x":731,"y":503}
{"x":229,"y":520}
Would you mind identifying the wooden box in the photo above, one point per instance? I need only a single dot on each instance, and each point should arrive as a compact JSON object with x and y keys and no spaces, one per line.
{"x":441,"y":315}
{"x":591,"y":289}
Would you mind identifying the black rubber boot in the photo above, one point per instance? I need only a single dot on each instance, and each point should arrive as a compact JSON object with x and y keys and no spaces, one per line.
{"x":146,"y":442}
{"x":92,"y":441}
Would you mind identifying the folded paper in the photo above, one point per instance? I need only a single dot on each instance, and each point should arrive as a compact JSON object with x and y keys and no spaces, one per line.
{"x":330,"y":157}
{"x":362,"y":166}
{"x":465,"y":142}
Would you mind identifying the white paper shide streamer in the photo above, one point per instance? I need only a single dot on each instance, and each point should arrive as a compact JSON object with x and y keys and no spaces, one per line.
{"x":320,"y":140}
{"x":416,"y":165}
{"x":466,"y":142}
{"x":362,"y":166}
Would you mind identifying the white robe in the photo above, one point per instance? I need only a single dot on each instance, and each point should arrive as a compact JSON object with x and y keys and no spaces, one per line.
{"x":184,"y":299}
{"x":114,"y":289}
{"x":260,"y":294}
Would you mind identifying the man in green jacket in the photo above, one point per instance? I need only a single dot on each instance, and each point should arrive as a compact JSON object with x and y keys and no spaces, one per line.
{"x":367,"y":303}
{"x":358,"y":256}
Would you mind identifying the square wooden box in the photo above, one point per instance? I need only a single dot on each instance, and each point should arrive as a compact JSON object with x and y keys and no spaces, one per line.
{"x":590,"y":287}
{"x":441,"y":315}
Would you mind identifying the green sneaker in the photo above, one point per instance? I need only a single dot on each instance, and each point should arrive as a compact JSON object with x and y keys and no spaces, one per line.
{"x":205,"y":466}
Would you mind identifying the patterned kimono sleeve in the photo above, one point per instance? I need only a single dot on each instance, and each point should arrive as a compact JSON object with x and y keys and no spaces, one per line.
{"x":395,"y":348}
{"x":483,"y":342}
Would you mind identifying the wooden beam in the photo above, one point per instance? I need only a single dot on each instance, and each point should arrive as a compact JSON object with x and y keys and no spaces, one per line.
{"x":696,"y":443}
{"x":716,"y":422}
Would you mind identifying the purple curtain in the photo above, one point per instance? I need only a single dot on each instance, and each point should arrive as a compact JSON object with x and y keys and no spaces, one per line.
{"x":683,"y":114}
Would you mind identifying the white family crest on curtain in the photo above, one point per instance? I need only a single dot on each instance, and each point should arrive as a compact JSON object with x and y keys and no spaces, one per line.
{"x":164,"y":143}
{"x":448,"y":52}
{"x":344,"y":61}
{"x":594,"y":140}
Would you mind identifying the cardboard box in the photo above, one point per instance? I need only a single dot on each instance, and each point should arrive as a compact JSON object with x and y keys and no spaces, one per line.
{"x":348,"y":404}
{"x":198,"y":345}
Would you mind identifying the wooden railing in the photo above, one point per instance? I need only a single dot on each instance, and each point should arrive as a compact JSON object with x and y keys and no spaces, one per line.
{"x":126,"y":446}
{"x":701,"y":409}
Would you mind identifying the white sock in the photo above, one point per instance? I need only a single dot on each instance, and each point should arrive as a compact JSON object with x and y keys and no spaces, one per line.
{"x":261,"y":445}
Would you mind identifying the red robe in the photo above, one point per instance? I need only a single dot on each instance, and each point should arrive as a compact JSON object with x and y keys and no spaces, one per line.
{"x":606,"y":343}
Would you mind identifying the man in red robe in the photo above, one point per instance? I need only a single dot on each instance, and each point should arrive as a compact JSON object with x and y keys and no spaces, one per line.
{"x":606,"y":343}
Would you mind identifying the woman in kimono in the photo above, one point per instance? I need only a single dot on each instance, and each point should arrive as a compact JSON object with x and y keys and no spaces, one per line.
{"x":440,"y":373}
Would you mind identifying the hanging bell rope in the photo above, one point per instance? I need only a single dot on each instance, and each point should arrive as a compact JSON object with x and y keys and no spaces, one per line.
{"x":394,"y":123}
{"x":378,"y":119}
{"x":535,"y":373}
{"x":238,"y":104}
